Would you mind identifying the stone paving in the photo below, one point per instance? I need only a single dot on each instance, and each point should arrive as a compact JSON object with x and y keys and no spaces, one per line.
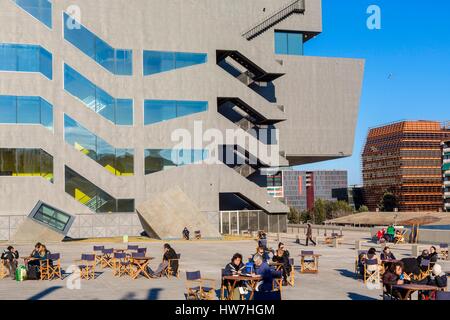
{"x":334,"y":281}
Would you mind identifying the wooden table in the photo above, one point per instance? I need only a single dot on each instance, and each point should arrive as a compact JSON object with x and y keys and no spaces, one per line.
{"x":410,"y":288}
{"x":309,"y":266}
{"x":141,"y":264}
{"x":233,"y":280}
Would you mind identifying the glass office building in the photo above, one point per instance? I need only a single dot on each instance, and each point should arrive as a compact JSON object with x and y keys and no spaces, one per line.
{"x":112,"y":110}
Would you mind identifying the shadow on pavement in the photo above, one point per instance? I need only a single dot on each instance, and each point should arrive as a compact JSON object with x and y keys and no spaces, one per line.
{"x":357,"y":296}
{"x":346,"y":273}
{"x":44,"y":293}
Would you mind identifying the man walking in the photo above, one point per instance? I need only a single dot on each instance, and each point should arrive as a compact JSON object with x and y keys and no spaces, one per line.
{"x":309,"y":235}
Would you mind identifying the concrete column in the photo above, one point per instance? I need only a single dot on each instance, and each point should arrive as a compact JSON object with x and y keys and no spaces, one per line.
{"x":358,"y":244}
{"x":335,"y":243}
{"x":415,"y":250}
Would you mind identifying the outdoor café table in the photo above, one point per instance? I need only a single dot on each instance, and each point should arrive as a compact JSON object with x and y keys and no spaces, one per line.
{"x":141,"y":264}
{"x":410,"y":288}
{"x":233,"y":280}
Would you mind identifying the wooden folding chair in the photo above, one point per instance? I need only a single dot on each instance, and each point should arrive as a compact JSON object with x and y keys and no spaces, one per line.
{"x":54,"y":266}
{"x":169,"y":270}
{"x":106,"y":258}
{"x":372,"y":271}
{"x":444,"y":251}
{"x":132,"y":248}
{"x":400,"y":238}
{"x":121,"y":264}
{"x":425,"y":270}
{"x":277,"y":283}
{"x":3,"y":270}
{"x":309,"y":262}
{"x":199,"y":288}
{"x":291,"y":277}
{"x":44,"y":269}
{"x":98,"y":254}
{"x":87,"y":266}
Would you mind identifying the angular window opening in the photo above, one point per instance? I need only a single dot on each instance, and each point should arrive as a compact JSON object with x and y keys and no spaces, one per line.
{"x":162,"y":110}
{"x":40,"y":9}
{"x":164,"y":159}
{"x":289,"y":42}
{"x":162,"y":61}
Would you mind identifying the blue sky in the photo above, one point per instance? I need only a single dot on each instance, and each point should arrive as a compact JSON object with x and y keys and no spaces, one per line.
{"x":407,"y":72}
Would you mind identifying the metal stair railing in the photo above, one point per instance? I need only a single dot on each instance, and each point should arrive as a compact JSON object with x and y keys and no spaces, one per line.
{"x":297,"y":6}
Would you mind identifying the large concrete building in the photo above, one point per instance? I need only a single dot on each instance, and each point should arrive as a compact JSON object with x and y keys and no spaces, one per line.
{"x":404,"y":158}
{"x":300,"y":189}
{"x":115,"y":115}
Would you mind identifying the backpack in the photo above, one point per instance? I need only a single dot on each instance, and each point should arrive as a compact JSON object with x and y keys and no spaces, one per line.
{"x":33,"y":273}
{"x":21,"y":273}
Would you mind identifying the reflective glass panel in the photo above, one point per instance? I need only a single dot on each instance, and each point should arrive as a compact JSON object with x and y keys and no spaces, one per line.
{"x":25,"y":58}
{"x":28,"y":110}
{"x":40,"y":9}
{"x":159,"y":110}
{"x":26,"y":163}
{"x":8,"y":109}
{"x":183,"y":59}
{"x":124,"y":112}
{"x":185,"y":108}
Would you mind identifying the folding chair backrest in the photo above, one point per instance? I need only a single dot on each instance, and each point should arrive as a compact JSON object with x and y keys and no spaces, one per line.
{"x":360,"y":252}
{"x":424,"y":263}
{"x":54,"y":256}
{"x":132,"y":247}
{"x":371,"y":262}
{"x":107,"y":251}
{"x":262,"y":243}
{"x":291,"y":261}
{"x":138,"y":255}
{"x":99,"y":248}
{"x":334,"y":234}
{"x":443,"y":295}
{"x":119,"y":255}
{"x":144,"y":250}
{"x":193,"y":275}
{"x":443,"y":246}
{"x":307,"y":253}
{"x":88,"y":257}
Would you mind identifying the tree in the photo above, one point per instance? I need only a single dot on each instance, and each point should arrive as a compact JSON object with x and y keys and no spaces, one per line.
{"x":388,"y":202}
{"x":363,"y":209}
{"x":293,"y":216}
{"x":319,"y":212}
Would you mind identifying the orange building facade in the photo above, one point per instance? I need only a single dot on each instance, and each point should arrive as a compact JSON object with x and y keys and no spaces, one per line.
{"x":405,"y":158}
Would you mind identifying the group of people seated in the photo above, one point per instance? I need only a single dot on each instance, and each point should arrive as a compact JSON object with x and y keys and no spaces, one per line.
{"x":259,"y":264}
{"x":389,"y":235}
{"x":406,"y":270}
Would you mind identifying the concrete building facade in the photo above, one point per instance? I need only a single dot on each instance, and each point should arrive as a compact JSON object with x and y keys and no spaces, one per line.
{"x":300,"y":189}
{"x":105,"y":104}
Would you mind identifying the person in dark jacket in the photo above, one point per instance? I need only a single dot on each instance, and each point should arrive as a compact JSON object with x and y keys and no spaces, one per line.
{"x":267,"y":274}
{"x":393,"y":276}
{"x":9,"y":258}
{"x":281,"y":257}
{"x":263,"y":253}
{"x":235,"y":268}
{"x":387,"y":254}
{"x":309,"y":235}
{"x":186,"y":233}
{"x":437,"y":278}
{"x":424,"y":256}
{"x":433,"y":256}
{"x":169,"y":254}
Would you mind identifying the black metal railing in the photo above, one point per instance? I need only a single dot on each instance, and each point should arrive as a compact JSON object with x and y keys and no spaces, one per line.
{"x":297,"y":6}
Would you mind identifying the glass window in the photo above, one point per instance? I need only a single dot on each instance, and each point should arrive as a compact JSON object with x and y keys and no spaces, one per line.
{"x":116,"y":61}
{"x":124,"y":112}
{"x":8,"y":110}
{"x":40,"y":9}
{"x":163,"y":110}
{"x":92,"y":196}
{"x":183,"y":60}
{"x":118,"y":111}
{"x":46,"y":114}
{"x":290,"y":43}
{"x":117,"y":161}
{"x":28,"y":110}
{"x":159,"y":110}
{"x":26,"y":163}
{"x":163,"y":159}
{"x":25,"y":58}
{"x":161,"y":61}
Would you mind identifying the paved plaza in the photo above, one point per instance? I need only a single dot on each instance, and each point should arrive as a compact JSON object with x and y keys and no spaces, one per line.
{"x":334,"y":281}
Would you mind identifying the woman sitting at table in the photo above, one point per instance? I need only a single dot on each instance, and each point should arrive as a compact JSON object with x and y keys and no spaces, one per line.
{"x":169,"y":254}
{"x":281,"y":257}
{"x":433,"y":256}
{"x":387,"y":254}
{"x":235,"y":268}
{"x":424,"y":256}
{"x":437,"y":278}
{"x":263,"y":253}
{"x":395,"y":276}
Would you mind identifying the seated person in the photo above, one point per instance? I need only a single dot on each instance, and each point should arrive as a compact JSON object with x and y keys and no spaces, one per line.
{"x":234,"y":268}
{"x":361,"y":261}
{"x":267,"y":274}
{"x":285,"y":251}
{"x":433,"y":256}
{"x":169,"y":254}
{"x":380,"y":234}
{"x":9,"y":258}
{"x":263,"y":253}
{"x":424,"y":256}
{"x":395,"y":275}
{"x":437,"y":278}
{"x":372,"y":255}
{"x":387,"y":254}
{"x":281,"y":257}
{"x":410,"y":266}
{"x":390,"y":233}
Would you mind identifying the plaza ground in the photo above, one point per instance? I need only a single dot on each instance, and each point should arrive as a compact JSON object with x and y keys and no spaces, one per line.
{"x":335,"y":280}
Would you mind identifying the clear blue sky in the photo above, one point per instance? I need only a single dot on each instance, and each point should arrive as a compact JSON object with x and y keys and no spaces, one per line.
{"x":413,"y":46}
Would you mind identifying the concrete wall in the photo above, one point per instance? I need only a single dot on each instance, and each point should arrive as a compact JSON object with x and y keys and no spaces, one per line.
{"x":320,"y":95}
